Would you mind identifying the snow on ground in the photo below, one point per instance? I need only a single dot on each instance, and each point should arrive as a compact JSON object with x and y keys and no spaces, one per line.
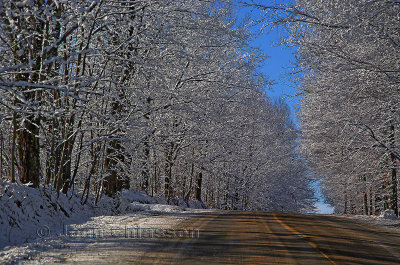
{"x":35,"y":221}
{"x":385,"y":220}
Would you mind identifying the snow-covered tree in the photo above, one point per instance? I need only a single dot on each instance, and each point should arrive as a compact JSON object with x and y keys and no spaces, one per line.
{"x":163,"y":96}
{"x":348,"y":54}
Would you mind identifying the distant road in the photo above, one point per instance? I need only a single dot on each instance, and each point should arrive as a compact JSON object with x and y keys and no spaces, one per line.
{"x":230,"y":237}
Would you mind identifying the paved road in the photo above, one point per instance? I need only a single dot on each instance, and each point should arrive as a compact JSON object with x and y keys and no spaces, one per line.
{"x":276,"y":238}
{"x":228,"y":237}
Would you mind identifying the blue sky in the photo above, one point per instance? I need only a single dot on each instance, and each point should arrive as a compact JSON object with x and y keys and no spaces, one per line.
{"x":279,"y":62}
{"x":277,"y":67}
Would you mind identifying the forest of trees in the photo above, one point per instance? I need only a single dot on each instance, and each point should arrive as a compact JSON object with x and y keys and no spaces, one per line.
{"x":165,"y":97}
{"x":348,"y":62}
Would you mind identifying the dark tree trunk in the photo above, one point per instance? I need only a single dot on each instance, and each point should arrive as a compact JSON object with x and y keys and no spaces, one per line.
{"x":112,"y":182}
{"x":366,"y":208}
{"x":146,"y":151}
{"x":94,"y":155}
{"x":28,"y":132}
{"x":167,"y":180}
{"x":28,"y":150}
{"x":66,"y":167}
{"x":168,"y":173}
{"x":199,"y":181}
{"x":394,"y":197}
{"x":145,"y":168}
{"x":394,"y":182}
{"x":371,"y":203}
{"x":13,"y":137}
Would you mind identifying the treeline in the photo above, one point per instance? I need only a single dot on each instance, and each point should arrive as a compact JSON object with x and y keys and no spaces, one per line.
{"x":162,"y":96}
{"x":348,"y":56}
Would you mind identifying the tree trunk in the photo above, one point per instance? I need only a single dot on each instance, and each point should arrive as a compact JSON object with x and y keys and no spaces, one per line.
{"x":199,"y":181}
{"x":168,"y":173}
{"x":394,"y":182}
{"x":145,"y":168}
{"x":93,"y":170}
{"x":394,"y":197}
{"x":365,"y":203}
{"x":1,"y":154}
{"x":167,"y":180}
{"x":28,"y":150}
{"x":371,"y":202}
{"x":13,"y":137}
{"x":112,"y":182}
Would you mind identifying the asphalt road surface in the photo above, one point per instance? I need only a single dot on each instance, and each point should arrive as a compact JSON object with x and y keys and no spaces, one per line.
{"x":229,"y":237}
{"x":276,"y":238}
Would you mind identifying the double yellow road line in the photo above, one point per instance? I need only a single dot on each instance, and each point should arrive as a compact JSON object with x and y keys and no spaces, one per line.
{"x":312,"y":244}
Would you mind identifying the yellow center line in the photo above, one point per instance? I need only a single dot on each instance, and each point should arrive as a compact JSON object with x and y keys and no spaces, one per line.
{"x":303,"y":236}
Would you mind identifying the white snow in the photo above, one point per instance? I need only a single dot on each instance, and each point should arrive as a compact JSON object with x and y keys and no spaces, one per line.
{"x":388,"y":214}
{"x":138,"y":196}
{"x":35,"y":223}
{"x":391,"y":223}
{"x":25,"y":211}
{"x":107,"y":229}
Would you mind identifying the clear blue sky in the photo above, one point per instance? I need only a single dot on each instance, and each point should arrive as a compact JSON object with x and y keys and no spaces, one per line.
{"x":278,"y":67}
{"x":278,"y":64}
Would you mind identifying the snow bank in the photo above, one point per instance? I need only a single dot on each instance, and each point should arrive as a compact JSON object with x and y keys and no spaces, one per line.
{"x":142,"y":198}
{"x":376,"y":220}
{"x":27,"y":214}
{"x":389,"y":214}
{"x":165,"y":208}
{"x":138,"y":196}
{"x":51,"y":250}
{"x":37,"y":218}
{"x":137,"y":206}
{"x":140,"y":201}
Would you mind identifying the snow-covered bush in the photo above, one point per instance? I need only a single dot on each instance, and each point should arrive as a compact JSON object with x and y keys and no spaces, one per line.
{"x":389,"y":214}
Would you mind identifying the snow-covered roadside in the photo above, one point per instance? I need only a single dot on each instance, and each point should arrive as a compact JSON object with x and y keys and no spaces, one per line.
{"x":382,"y":221}
{"x":56,"y":249}
{"x":27,"y":213}
{"x":34,"y":224}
